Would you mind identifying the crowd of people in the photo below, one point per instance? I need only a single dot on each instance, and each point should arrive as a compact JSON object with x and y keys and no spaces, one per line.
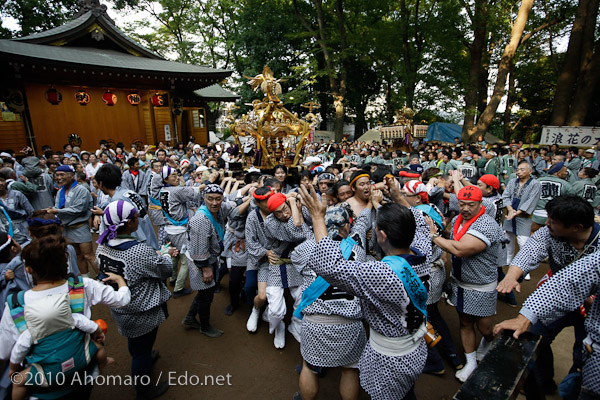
{"x":359,"y":235}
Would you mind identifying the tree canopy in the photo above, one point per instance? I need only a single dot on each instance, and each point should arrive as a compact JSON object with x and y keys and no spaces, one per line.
{"x":457,"y":60}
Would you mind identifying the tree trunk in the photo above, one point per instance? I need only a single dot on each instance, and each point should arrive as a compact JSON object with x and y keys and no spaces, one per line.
{"x":321,"y":87}
{"x":360,"y":125}
{"x":588,"y":73}
{"x":586,"y":84}
{"x":410,"y":65}
{"x":485,"y":119}
{"x":484,"y":75}
{"x":337,"y":89}
{"x":389,"y":107}
{"x":476,"y":54}
{"x":510,"y":101}
{"x":339,"y":99}
{"x":568,"y":76}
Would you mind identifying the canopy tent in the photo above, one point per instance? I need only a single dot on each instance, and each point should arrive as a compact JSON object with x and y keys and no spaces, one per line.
{"x":443,"y":132}
{"x":370,"y":136}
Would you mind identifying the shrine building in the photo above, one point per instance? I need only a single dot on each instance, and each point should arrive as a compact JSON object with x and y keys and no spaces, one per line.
{"x":87,"y":77}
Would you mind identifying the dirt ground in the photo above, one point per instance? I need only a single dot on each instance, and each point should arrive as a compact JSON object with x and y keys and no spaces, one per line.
{"x":247,"y":366}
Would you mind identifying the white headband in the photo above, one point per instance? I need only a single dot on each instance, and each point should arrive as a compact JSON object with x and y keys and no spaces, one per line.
{"x":9,"y":241}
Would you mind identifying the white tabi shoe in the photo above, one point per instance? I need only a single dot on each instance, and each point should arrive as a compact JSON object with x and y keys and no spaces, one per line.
{"x":252,"y":323}
{"x":463,"y":374}
{"x":279,"y":340}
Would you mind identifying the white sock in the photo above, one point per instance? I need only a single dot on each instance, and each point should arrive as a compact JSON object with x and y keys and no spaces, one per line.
{"x":484,"y":345}
{"x":471,"y":358}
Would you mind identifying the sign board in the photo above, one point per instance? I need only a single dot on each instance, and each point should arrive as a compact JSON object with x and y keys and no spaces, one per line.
{"x":567,"y":136}
{"x":167,"y":132}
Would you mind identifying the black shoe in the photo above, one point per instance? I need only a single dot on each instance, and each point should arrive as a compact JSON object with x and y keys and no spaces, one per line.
{"x":297,"y":396}
{"x":190,"y":323}
{"x":217,"y":287}
{"x":155,"y":356}
{"x":211,"y":332}
{"x":182,"y":292}
{"x":550,"y":388}
{"x":230,"y":309}
{"x":153,"y":391}
{"x":508,"y":299}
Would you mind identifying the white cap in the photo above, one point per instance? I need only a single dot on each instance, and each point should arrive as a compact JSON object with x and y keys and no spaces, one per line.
{"x":201,"y":168}
{"x":311,"y":160}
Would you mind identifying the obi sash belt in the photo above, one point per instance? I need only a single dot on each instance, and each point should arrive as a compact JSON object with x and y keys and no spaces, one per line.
{"x":516,"y":201}
{"x":457,"y":235}
{"x":320,"y":285}
{"x":62,"y":195}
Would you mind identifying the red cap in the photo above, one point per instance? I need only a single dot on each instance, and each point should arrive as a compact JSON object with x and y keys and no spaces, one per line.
{"x":470,"y":193}
{"x":491,"y":180}
{"x":275,"y":201}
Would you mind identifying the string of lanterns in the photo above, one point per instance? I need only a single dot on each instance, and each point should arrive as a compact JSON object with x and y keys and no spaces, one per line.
{"x":54,"y":97}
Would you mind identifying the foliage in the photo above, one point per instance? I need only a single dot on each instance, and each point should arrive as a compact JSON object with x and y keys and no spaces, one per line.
{"x":387,"y":53}
{"x":37,"y":15}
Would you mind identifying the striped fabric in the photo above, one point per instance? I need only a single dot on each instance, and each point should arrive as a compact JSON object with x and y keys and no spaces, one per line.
{"x":76,"y":295}
{"x":17,"y":310}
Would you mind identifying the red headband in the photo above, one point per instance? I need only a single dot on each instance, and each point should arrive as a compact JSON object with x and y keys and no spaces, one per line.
{"x":275,"y":201}
{"x":470,"y":193}
{"x":490,"y":180}
{"x":406,"y":174}
{"x":263,"y":196}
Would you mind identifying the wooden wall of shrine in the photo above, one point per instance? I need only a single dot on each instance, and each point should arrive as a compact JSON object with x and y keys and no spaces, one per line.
{"x":52,"y":124}
{"x":121,"y":122}
{"x":13,"y":134}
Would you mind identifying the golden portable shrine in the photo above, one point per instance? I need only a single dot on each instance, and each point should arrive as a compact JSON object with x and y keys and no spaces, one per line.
{"x":400,"y":133}
{"x":279,"y":134}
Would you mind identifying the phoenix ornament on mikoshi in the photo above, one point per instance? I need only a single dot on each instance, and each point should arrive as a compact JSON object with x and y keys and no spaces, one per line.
{"x":279,"y":133}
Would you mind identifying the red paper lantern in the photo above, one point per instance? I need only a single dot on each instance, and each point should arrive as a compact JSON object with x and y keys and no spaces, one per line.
{"x":160,"y":100}
{"x":134,"y":99}
{"x":109,"y":98}
{"x":82,"y":98}
{"x":53,"y":96}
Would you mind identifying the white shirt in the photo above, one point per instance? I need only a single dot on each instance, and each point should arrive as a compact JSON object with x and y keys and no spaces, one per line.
{"x":90,"y":170}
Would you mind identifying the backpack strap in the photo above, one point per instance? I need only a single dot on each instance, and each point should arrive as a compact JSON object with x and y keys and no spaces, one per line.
{"x":16,"y":304}
{"x":76,"y":292}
